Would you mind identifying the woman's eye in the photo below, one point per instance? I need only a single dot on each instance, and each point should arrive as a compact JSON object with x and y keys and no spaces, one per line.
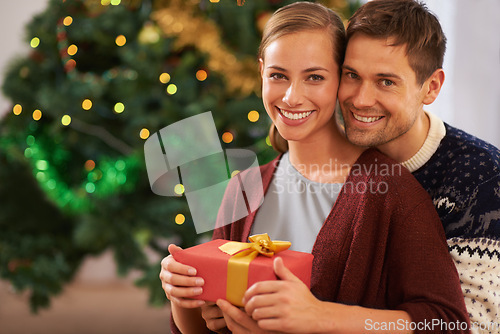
{"x":387,"y":83}
{"x":316,"y":77}
{"x":277,"y":76}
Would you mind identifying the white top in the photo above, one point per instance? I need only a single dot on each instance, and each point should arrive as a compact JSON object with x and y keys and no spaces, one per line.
{"x":436,"y":133}
{"x":295,"y":207}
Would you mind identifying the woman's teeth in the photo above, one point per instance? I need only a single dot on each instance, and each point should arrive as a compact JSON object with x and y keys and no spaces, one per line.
{"x":367,"y":119}
{"x":294,"y":116}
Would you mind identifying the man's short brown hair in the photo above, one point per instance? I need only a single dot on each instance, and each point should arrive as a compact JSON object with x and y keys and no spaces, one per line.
{"x":406,"y":22}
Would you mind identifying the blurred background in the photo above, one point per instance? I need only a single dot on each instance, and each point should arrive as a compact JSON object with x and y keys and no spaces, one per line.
{"x":86,"y":82}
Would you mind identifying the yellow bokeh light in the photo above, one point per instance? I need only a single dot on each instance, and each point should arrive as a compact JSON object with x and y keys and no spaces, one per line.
{"x":105,"y":2}
{"x":214,"y":1}
{"x":253,"y":116}
{"x":37,"y":114}
{"x":119,"y":108}
{"x":164,"y":78}
{"x":67,"y":21}
{"x":171,"y":89}
{"x":35,"y":41}
{"x":66,"y":120}
{"x":201,"y":75}
{"x":268,"y":141}
{"x":177,"y":27}
{"x":121,"y":40}
{"x":72,"y":49}
{"x":179,"y":189}
{"x":17,"y":110}
{"x":180,"y":219}
{"x":115,"y":2}
{"x":227,"y":137}
{"x":144,"y":134}
{"x":234,"y":173}
{"x":86,"y":104}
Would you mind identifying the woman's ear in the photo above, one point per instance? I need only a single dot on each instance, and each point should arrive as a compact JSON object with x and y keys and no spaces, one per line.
{"x":433,"y":86}
{"x":261,"y":67}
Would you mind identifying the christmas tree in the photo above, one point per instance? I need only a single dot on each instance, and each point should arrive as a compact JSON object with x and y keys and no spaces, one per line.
{"x":102,"y":76}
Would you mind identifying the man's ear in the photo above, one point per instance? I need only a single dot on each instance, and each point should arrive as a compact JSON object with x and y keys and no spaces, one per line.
{"x":261,"y":67}
{"x":433,"y":86}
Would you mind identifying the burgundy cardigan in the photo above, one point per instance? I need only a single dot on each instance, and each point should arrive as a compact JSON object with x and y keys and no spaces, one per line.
{"x":382,"y":245}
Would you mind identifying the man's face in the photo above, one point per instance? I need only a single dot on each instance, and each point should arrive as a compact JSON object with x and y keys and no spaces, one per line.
{"x":381,"y":101}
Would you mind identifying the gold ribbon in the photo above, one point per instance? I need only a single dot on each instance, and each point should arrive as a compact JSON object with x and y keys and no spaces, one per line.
{"x":242,"y":254}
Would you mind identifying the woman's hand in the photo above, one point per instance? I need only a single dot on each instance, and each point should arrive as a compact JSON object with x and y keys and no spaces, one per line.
{"x":286,"y":305}
{"x":179,"y":281}
{"x":238,"y":321}
{"x":213,"y":317}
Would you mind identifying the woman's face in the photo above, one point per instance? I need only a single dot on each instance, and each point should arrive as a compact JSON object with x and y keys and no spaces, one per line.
{"x":300,"y":79}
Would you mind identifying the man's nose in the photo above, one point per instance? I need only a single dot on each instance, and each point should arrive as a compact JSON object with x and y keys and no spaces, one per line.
{"x":364,"y":96}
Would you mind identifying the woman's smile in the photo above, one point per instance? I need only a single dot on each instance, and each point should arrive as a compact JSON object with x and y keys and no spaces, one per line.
{"x":294,"y":116}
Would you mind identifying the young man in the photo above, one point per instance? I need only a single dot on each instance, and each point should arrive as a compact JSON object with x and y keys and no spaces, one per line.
{"x":392,"y":68}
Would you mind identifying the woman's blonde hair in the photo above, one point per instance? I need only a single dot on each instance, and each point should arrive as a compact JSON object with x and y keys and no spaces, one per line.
{"x":297,"y":17}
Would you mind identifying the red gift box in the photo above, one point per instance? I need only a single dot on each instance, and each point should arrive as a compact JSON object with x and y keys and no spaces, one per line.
{"x":211,"y":264}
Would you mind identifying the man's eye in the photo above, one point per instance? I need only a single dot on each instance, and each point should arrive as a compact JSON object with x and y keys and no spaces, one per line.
{"x":352,"y":75}
{"x":387,"y":83}
{"x":277,"y":76}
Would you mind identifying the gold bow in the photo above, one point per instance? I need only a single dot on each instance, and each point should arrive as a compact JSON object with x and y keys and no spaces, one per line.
{"x":242,"y":254}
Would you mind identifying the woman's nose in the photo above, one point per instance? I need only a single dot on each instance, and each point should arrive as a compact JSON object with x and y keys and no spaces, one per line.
{"x":293,"y":95}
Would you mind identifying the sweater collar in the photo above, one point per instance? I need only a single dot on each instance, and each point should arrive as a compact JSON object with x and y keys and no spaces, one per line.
{"x":436,"y":133}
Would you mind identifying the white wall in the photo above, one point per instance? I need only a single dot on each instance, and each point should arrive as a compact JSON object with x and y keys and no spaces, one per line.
{"x":470,"y":98}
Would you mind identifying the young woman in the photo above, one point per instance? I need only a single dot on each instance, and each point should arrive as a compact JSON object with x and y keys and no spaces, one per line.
{"x":380,"y":257}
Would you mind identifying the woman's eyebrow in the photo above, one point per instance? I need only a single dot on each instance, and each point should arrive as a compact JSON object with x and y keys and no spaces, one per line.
{"x":310,"y":69}
{"x":314,"y":69}
{"x":276,"y":67}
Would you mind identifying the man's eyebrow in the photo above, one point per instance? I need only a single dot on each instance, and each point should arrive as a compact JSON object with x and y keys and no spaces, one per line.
{"x":345,"y":67}
{"x":381,"y":75}
{"x":389,"y":75}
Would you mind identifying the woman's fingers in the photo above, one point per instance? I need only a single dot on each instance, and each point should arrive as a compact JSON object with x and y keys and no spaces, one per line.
{"x":213,"y":316}
{"x":179,"y":281}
